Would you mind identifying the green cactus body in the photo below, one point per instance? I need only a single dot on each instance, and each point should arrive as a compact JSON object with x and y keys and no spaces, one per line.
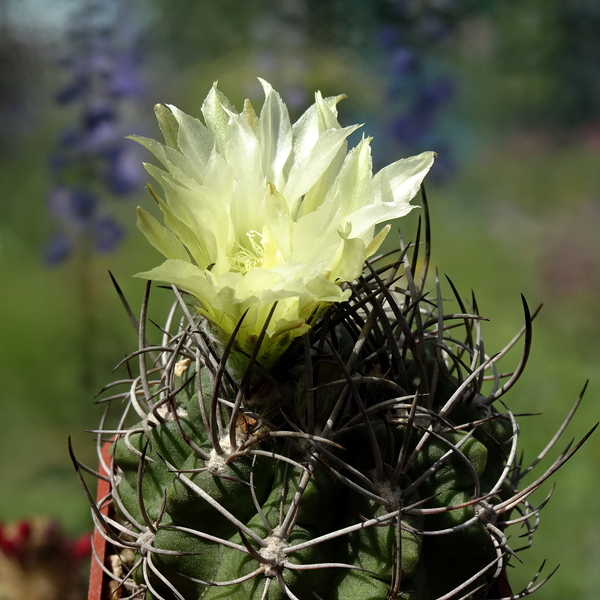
{"x":347,"y":476}
{"x":373,"y":459}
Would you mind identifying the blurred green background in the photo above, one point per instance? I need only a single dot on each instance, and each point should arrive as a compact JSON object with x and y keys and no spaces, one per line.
{"x":506,"y":91}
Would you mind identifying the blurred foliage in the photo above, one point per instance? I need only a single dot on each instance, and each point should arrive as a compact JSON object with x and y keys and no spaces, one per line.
{"x":519,"y":214}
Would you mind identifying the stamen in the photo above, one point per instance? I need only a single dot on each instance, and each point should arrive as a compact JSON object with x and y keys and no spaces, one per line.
{"x":247,"y":259}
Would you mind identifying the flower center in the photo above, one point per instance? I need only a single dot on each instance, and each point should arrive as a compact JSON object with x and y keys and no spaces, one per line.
{"x":262,"y":253}
{"x":246,"y":259}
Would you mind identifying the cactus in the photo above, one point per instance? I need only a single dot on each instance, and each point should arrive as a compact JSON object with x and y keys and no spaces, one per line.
{"x":368,"y":455}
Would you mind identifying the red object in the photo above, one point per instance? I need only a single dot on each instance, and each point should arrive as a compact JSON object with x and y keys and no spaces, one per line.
{"x":81,"y":548}
{"x":15,"y":543}
{"x":97,"y":575}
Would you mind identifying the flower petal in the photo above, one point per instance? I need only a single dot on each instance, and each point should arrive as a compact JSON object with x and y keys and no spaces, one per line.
{"x":184,"y":275}
{"x":215,"y":110}
{"x":350,"y":260}
{"x":168,"y":125}
{"x":163,"y":239}
{"x":392,"y":190}
{"x":311,"y":164}
{"x":193,"y":139}
{"x":274,"y":136}
{"x":261,"y":215}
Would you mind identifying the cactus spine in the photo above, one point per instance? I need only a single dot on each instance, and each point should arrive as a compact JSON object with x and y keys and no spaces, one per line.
{"x":374,"y":460}
{"x":303,"y":431}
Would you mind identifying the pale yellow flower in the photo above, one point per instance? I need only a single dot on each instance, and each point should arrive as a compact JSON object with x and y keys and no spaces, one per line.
{"x":258,"y":211}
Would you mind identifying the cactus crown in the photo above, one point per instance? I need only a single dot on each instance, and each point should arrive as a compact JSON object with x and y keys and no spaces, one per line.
{"x":376,"y":459}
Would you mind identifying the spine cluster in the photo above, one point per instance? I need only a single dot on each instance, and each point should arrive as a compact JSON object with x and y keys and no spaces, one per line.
{"x":377,"y":459}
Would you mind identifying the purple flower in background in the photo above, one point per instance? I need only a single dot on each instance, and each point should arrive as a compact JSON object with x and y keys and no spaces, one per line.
{"x":419,"y":90}
{"x":77,"y":206}
{"x":81,"y":216}
{"x":123,"y":170}
{"x":57,"y":249}
{"x":418,"y":121}
{"x":107,"y":234}
{"x":94,"y":163}
{"x":403,"y":60}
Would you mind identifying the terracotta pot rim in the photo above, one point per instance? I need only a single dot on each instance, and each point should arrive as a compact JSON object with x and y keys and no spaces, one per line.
{"x":98,"y":577}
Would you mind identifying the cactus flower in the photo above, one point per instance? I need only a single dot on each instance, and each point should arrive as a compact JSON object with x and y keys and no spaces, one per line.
{"x":258,"y":211}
